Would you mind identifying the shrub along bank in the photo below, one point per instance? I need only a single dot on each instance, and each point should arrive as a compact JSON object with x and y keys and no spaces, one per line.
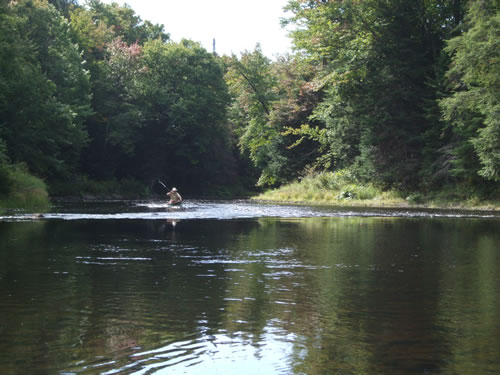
{"x":23,"y":190}
{"x":342,"y":188}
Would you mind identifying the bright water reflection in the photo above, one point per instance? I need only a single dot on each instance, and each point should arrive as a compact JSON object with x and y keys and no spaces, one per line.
{"x":226,"y":210}
{"x":267,"y":295}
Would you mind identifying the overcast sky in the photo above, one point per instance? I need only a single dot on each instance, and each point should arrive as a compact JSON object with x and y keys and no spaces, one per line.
{"x":236,"y":25}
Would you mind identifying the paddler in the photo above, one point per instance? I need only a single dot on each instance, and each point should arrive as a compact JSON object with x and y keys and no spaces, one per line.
{"x":175,"y":197}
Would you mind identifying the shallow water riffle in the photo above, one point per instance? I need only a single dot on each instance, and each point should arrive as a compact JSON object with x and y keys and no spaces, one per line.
{"x":219,"y":287}
{"x":225,"y":210}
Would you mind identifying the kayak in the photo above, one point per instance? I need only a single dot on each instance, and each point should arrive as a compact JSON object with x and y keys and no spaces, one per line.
{"x":173,"y":204}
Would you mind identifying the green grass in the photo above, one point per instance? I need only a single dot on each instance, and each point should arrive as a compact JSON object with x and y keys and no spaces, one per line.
{"x":25,"y":191}
{"x":342,"y":189}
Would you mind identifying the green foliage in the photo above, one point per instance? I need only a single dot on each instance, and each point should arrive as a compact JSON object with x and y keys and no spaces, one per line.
{"x":270,"y":100}
{"x":184,"y":103}
{"x":474,"y":109}
{"x":46,"y":94}
{"x":338,"y":188}
{"x":251,"y":85}
{"x":26,"y":190}
{"x":343,"y":184}
{"x":125,"y":23}
{"x":112,"y":37}
{"x":342,"y":188}
{"x":123,"y":74}
{"x":394,"y":93}
{"x":91,"y":33}
{"x":160,"y":107}
{"x":377,"y":58}
{"x":64,"y":6}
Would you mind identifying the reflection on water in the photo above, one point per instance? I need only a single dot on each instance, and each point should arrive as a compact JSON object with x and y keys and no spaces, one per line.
{"x":304,"y":295}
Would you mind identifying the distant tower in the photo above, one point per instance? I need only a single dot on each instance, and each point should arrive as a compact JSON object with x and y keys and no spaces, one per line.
{"x":213,"y":46}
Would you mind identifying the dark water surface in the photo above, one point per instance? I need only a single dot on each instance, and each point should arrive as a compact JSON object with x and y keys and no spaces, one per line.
{"x":242,"y":288}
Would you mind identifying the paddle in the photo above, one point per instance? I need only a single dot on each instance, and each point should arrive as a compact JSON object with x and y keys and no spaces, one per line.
{"x":162,"y":184}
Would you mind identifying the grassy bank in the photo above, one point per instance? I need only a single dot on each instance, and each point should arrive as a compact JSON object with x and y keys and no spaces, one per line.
{"x":24,"y":191}
{"x":342,"y":189}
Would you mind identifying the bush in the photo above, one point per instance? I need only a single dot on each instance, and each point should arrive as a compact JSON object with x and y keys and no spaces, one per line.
{"x":415,"y":198}
{"x":329,"y":180}
{"x":342,"y":188}
{"x":25,"y":190}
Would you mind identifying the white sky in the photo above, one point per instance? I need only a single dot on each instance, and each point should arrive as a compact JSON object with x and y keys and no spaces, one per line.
{"x":236,"y":25}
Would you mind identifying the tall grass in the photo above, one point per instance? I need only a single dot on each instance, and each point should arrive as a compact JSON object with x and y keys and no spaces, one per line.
{"x":25,"y":191}
{"x":339,"y":188}
{"x":344,"y":189}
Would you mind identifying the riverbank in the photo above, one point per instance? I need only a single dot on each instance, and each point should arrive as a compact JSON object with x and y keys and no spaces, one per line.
{"x":340,"y":189}
{"x":381,"y":203}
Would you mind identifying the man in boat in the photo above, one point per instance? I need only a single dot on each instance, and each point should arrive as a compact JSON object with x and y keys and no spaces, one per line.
{"x":175,"y":197}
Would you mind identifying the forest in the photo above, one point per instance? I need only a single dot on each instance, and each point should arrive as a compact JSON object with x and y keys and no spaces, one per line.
{"x":395,"y":94}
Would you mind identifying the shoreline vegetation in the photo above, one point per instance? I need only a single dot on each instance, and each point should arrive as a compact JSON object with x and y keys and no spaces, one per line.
{"x":30,"y":193}
{"x":399,"y":98}
{"x":23,"y":191}
{"x":342,"y":189}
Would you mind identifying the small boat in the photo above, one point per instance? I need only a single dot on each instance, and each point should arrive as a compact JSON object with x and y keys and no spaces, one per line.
{"x":174,"y":204}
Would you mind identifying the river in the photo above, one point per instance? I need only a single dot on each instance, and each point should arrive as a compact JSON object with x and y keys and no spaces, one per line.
{"x":216,"y":287}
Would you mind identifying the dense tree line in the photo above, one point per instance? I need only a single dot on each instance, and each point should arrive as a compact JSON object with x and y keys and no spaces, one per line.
{"x":94,"y":92}
{"x":401,"y":93}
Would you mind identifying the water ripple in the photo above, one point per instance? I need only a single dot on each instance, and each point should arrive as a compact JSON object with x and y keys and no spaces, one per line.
{"x":209,"y":354}
{"x":225,"y":210}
